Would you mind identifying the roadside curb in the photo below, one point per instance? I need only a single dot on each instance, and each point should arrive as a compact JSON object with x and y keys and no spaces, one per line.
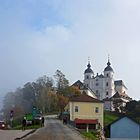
{"x":26,"y":134}
{"x":77,"y":130}
{"x":74,"y":128}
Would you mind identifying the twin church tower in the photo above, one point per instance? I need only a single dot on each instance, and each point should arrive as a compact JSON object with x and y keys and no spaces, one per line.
{"x":103,"y":85}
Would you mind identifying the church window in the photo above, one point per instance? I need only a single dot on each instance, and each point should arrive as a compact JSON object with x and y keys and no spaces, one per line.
{"x":107,"y":84}
{"x":96,"y":79}
{"x":107,"y":75}
{"x":97,"y":84}
{"x":107,"y":93}
{"x":87,"y":85}
{"x":97,"y":94}
{"x":87,"y":77}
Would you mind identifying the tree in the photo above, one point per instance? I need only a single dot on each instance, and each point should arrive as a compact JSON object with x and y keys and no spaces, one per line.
{"x":133,"y":108}
{"x":61,"y":81}
{"x":14,"y":101}
{"x":62,"y":102}
{"x":130,"y":106}
{"x":29,"y":96}
{"x":40,"y":94}
{"x":73,"y":91}
{"x":9,"y":103}
{"x":42,"y":86}
{"x":52,"y":102}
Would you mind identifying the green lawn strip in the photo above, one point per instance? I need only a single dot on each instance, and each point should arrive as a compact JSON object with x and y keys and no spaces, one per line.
{"x":19,"y":127}
{"x":91,"y":135}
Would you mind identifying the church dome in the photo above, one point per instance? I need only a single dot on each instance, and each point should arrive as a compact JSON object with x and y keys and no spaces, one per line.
{"x":88,"y":70}
{"x":108,"y":68}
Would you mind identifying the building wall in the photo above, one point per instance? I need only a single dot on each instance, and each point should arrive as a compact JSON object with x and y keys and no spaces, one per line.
{"x":121,"y":89}
{"x":97,"y":87}
{"x":86,"y":111}
{"x":110,"y":88}
{"x":88,"y":79}
{"x":108,"y":105}
{"x":125,"y":128}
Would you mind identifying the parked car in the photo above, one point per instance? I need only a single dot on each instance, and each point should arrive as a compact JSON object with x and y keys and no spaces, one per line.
{"x":38,"y":119}
{"x":3,"y":125}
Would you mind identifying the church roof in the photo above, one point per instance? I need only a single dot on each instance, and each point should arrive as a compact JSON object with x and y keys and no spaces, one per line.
{"x":84,"y":98}
{"x":108,"y":68}
{"x":101,"y":76}
{"x":119,"y":83}
{"x":88,"y":70}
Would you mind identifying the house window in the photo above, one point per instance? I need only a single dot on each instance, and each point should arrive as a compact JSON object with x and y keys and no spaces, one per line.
{"x":76,"y":109}
{"x":107,"y":84}
{"x":97,"y":110}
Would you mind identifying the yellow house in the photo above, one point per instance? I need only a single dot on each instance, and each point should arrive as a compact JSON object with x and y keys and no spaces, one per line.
{"x":86,"y":112}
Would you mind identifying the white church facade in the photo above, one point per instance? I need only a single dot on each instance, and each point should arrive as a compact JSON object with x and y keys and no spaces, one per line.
{"x":104,"y":87}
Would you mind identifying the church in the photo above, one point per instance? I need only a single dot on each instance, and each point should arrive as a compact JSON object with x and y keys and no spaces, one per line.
{"x":105,"y":87}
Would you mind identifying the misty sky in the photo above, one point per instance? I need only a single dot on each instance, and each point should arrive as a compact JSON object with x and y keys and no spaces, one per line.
{"x":37,"y":37}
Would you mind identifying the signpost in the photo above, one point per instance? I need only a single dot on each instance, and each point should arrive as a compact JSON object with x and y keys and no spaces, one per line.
{"x":34,"y":111}
{"x":11,"y":117}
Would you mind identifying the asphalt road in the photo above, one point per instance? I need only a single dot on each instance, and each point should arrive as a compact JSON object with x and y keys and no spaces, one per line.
{"x":55,"y":130}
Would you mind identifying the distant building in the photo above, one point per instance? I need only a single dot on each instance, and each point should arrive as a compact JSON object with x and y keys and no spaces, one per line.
{"x":84,"y":89}
{"x":86,"y":111}
{"x":104,"y":87}
{"x":116,"y":102}
{"x":125,"y":128}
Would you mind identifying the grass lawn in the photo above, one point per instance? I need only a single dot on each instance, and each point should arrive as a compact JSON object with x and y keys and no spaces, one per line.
{"x":109,"y":118}
{"x":92,"y":135}
{"x":19,"y":127}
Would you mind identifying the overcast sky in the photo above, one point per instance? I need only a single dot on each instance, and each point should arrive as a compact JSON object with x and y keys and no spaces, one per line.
{"x":37,"y":37}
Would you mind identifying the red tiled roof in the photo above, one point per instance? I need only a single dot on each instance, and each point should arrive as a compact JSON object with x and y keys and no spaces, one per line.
{"x":85,"y":121}
{"x":85,"y":98}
